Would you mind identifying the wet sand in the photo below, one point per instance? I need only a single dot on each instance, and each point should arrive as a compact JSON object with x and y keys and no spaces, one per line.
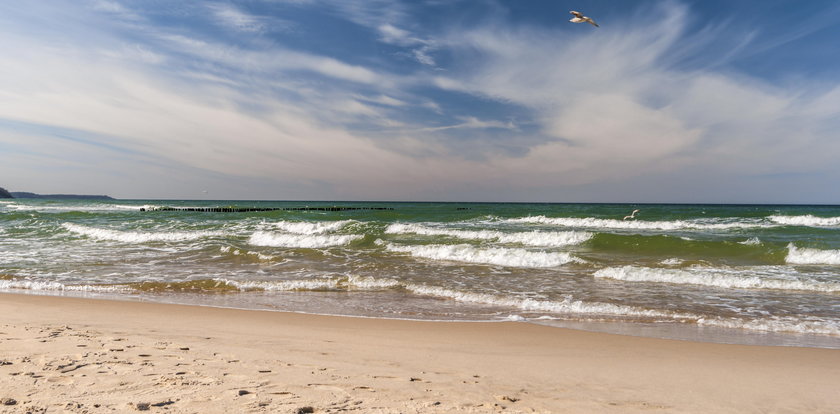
{"x":89,"y":356}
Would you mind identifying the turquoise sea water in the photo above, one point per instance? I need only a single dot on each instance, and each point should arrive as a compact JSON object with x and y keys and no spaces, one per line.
{"x":746,"y":274}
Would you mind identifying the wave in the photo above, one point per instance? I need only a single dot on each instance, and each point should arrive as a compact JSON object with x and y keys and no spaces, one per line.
{"x":591,"y":222}
{"x":79,"y":208}
{"x":806,"y":220}
{"x":752,"y":241}
{"x":802,"y":255}
{"x":56,"y":286}
{"x":535,"y":238}
{"x":300,"y":241}
{"x":565,"y":306}
{"x":346,"y":283}
{"x":303,"y":227}
{"x":775,"y":324}
{"x":237,"y":252}
{"x":722,"y":278}
{"x":491,"y":255}
{"x":136,"y":236}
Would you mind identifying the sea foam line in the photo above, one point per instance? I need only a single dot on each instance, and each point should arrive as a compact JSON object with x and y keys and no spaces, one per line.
{"x":532,"y":238}
{"x":713,"y":277}
{"x":591,"y":222}
{"x":56,"y":286}
{"x":803,"y":255}
{"x":138,"y":237}
{"x":489,"y":255}
{"x":300,"y":241}
{"x":334,"y":283}
{"x":775,"y":324}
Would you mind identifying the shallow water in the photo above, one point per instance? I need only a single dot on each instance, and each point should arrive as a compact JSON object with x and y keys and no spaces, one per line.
{"x":743,"y":274}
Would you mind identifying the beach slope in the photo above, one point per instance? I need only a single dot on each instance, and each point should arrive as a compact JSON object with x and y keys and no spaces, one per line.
{"x":88,"y":356}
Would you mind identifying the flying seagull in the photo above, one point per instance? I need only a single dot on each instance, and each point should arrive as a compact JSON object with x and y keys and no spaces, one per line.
{"x":633,"y":214}
{"x":580,"y":18}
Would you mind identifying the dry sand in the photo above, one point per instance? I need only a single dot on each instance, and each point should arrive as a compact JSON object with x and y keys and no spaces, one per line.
{"x":91,"y":356}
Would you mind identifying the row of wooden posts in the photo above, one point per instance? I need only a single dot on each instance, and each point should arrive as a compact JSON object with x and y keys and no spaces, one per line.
{"x":251,"y":209}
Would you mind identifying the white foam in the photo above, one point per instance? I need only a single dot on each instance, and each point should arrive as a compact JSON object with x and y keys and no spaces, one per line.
{"x":806,"y":220}
{"x":79,"y":207}
{"x":591,"y":222}
{"x":489,"y":255}
{"x":138,"y":237}
{"x":776,"y":324}
{"x":532,"y":238}
{"x":758,"y":278}
{"x":319,"y":227}
{"x":565,"y":306}
{"x":752,"y":241}
{"x":674,"y":261}
{"x":802,"y":255}
{"x":336,"y":283}
{"x":300,"y":241}
{"x":284,"y":285}
{"x":237,"y":252}
{"x":55,"y":286}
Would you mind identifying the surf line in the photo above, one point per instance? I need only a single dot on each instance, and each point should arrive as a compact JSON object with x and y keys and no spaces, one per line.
{"x":251,"y":209}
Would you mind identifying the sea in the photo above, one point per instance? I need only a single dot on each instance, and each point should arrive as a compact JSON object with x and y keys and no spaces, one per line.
{"x":745,"y":274}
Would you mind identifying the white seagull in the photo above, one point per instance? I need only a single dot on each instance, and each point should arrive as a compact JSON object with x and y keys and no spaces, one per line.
{"x":580,"y":18}
{"x":632,"y":215}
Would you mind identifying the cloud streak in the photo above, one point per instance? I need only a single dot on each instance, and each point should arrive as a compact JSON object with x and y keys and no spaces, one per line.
{"x":504,"y":110}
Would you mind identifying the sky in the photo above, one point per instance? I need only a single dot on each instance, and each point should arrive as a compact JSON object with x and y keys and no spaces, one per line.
{"x":678,"y":101}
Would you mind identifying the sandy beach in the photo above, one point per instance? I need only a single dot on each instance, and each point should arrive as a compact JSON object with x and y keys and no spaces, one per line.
{"x":88,"y":356}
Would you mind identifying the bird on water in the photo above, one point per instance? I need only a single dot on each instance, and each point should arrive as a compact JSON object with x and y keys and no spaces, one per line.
{"x":580,"y":18}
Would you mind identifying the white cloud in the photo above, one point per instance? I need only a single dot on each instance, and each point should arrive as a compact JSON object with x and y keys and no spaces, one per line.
{"x":617,"y":105}
{"x":605,"y":107}
{"x":229,"y":16}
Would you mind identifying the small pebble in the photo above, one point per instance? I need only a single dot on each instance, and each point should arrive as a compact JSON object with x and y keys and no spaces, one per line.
{"x":305,"y":410}
{"x":244,"y":392}
{"x":143,"y":406}
{"x":8,"y":401}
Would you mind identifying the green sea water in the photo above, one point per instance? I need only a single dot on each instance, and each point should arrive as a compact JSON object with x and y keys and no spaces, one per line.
{"x":737,"y":273}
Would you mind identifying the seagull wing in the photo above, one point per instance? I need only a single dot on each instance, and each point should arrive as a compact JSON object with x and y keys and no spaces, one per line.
{"x":592,"y":22}
{"x":576,"y":13}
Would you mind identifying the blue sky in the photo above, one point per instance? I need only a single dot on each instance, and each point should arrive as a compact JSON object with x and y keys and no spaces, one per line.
{"x":457,"y":100}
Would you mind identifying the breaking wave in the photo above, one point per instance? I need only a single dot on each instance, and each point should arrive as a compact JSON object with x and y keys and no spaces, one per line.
{"x":303,"y":227}
{"x":723,"y":278}
{"x":300,"y":241}
{"x":138,"y":237}
{"x":490,"y":255}
{"x":591,"y":222}
{"x":803,"y":255}
{"x":534,"y":238}
{"x":806,"y":220}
